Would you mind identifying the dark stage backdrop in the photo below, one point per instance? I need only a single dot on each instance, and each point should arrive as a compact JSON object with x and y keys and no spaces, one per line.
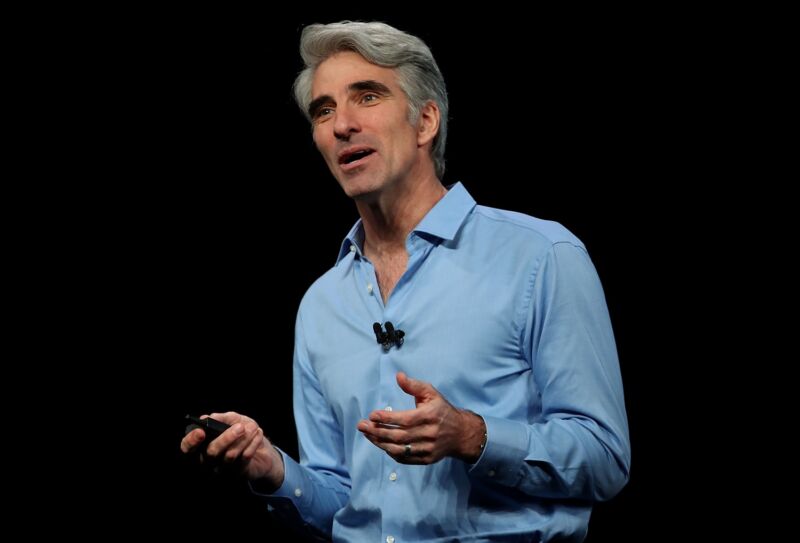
{"x":226,"y":215}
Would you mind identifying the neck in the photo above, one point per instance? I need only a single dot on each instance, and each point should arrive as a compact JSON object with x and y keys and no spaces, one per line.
{"x":390,"y":218}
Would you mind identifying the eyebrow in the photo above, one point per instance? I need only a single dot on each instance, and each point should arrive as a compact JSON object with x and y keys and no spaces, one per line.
{"x":358,"y":86}
{"x":369,"y":85}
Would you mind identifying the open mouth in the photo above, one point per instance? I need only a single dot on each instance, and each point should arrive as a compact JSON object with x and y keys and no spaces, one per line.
{"x":351,"y":157}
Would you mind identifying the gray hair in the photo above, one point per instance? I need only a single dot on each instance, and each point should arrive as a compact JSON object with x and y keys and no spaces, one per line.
{"x":417,"y":73}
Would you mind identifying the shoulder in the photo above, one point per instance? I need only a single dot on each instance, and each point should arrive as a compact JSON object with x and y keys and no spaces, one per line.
{"x":327,"y":287}
{"x":531,"y":231}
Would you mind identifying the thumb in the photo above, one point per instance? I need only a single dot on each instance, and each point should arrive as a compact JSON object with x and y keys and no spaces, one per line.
{"x":419,"y":389}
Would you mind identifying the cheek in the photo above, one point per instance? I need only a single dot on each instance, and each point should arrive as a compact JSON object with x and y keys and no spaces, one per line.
{"x":321,"y":145}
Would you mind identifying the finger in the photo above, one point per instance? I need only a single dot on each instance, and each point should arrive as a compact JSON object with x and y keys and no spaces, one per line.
{"x":255,"y":443}
{"x":191,"y":440}
{"x":382,"y":434}
{"x":240,"y":444}
{"x":417,"y":453}
{"x":420,"y":453}
{"x":388,"y":448}
{"x":225,"y":440}
{"x":419,"y":389}
{"x":396,"y":419}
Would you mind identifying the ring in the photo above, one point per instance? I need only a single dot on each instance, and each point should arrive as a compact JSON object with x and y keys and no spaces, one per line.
{"x":407,"y":451}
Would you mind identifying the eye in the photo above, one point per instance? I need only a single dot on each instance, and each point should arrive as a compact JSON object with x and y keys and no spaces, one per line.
{"x":369,"y":98}
{"x":322,"y":113}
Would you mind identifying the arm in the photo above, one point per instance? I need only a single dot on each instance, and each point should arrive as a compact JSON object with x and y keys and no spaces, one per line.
{"x":314,"y":489}
{"x":579,"y":447}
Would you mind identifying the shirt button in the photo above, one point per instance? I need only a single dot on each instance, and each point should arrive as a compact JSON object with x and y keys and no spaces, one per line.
{"x":389,"y":539}
{"x":393,"y":476}
{"x":387,"y":408}
{"x":369,"y":288}
{"x":352,"y":248}
{"x":491,"y":473}
{"x":298,"y":492}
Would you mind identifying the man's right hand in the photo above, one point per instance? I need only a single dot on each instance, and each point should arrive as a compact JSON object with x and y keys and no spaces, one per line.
{"x":244,"y":444}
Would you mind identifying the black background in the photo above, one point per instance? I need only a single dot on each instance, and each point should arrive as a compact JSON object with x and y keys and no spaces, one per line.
{"x":217,"y":214}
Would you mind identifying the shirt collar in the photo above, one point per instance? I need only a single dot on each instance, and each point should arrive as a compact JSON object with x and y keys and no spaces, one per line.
{"x":442,"y":221}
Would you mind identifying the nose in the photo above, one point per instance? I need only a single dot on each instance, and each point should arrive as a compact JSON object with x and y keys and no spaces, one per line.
{"x":345,"y":123}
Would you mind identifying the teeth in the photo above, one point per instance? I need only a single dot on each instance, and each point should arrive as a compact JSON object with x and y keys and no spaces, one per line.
{"x":355,"y":156}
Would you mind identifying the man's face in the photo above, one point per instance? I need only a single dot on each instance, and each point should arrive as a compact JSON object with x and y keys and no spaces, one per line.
{"x":360,"y":120}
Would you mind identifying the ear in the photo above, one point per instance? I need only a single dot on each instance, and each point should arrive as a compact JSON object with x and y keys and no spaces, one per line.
{"x":428,"y":123}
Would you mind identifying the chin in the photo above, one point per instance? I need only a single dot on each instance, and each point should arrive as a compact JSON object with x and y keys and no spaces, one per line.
{"x":359,"y":189}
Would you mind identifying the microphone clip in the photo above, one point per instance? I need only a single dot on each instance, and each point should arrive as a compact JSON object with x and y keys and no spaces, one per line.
{"x":389,"y":337}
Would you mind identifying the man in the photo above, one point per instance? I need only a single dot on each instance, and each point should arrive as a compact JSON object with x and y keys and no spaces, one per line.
{"x":455,"y":373}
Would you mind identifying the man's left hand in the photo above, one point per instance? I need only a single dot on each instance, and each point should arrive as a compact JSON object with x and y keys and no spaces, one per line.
{"x":430,"y":432}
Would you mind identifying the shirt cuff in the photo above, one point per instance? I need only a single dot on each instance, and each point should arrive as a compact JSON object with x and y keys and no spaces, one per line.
{"x":505,"y":451}
{"x":294,"y":489}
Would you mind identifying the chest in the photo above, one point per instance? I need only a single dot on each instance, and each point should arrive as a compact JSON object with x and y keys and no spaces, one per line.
{"x":388,"y":270}
{"x":460,"y":335}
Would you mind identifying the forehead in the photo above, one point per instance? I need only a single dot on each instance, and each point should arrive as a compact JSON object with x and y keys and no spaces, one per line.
{"x":338,"y":71}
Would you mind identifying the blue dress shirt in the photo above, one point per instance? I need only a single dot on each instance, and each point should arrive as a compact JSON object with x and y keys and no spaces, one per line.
{"x":504,"y":314}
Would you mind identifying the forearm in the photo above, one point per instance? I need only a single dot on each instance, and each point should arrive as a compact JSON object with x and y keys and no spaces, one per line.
{"x":470,"y":447}
{"x":573,"y":443}
{"x":272,"y":479}
{"x":561,"y":458}
{"x":312,"y":491}
{"x":305,"y":498}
